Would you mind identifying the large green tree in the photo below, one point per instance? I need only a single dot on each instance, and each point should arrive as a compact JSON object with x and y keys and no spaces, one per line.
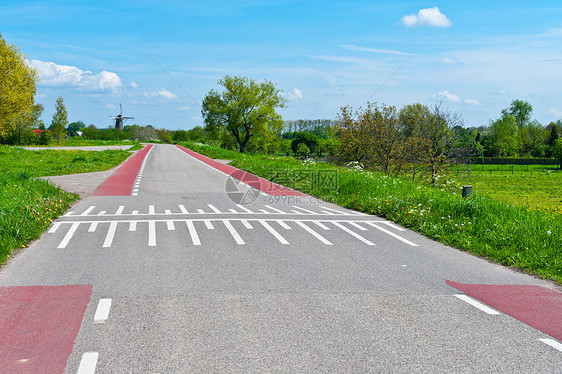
{"x":504,"y":133}
{"x":17,"y":90}
{"x":521,"y":110}
{"x":246,"y":109}
{"x":60,"y":120}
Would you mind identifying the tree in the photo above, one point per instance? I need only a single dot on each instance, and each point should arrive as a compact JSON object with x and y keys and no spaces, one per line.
{"x":246,"y":109}
{"x":435,"y":131}
{"x":302,"y":150}
{"x":504,"y":133}
{"x":303,"y":137}
{"x":521,"y":110}
{"x":17,"y":90}
{"x":74,"y":127}
{"x":60,"y":120}
{"x":557,"y":152}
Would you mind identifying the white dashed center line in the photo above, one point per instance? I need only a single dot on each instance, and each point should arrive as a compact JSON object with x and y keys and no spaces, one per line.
{"x":553,"y":343}
{"x":477,"y":304}
{"x":88,"y":363}
{"x":102,"y":312}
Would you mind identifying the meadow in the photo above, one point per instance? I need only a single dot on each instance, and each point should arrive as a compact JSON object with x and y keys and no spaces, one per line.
{"x":536,"y":189}
{"x":511,"y":234}
{"x":28,"y":205}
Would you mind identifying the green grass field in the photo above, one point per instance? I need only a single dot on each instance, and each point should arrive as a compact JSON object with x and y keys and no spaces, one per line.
{"x":28,"y":205}
{"x":539,"y":190}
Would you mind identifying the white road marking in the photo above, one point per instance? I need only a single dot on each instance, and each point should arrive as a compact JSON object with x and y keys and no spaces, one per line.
{"x":87,"y":211}
{"x":69,"y":235}
{"x":102,"y":311}
{"x":182,"y":208}
{"x":352,"y":233}
{"x":328,"y":213}
{"x":93,"y":226}
{"x":213,"y":208}
{"x":392,"y":234}
{"x":88,"y":363}
{"x":168,"y":211}
{"x":278,"y":236}
{"x":170,"y":225}
{"x":233,"y":232}
{"x":136,"y":190}
{"x":283,"y":224}
{"x":477,"y":304}
{"x":151,"y":233}
{"x":151,"y":209}
{"x":200,"y":211}
{"x":395,"y":227}
{"x":246,"y":224}
{"x":135,"y":212}
{"x":321,"y":225}
{"x":135,"y":194}
{"x":110,"y":234}
{"x":119,"y":210}
{"x":53,"y":229}
{"x":133,"y":226}
{"x":296,"y":212}
{"x":102,"y":213}
{"x":244,"y":208}
{"x":208,"y":224}
{"x":194,"y":237}
{"x":304,"y":210}
{"x":274,"y":209}
{"x":553,"y":343}
{"x":67,"y":214}
{"x":355,"y":224}
{"x":336,"y":211}
{"x":232,"y":211}
{"x":314,"y":233}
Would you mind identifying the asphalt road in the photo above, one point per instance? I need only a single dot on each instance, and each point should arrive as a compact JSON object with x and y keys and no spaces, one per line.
{"x":191,"y":281}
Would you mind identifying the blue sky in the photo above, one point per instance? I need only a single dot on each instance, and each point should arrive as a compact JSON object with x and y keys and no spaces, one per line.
{"x":473,"y":56}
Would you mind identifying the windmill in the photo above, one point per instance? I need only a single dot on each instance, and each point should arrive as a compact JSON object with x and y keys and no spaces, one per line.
{"x":119,"y":119}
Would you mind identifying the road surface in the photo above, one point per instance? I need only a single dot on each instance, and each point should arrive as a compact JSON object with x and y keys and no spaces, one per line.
{"x":172,"y":266}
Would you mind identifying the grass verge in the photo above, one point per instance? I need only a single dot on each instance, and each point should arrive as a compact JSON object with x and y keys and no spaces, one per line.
{"x":28,"y":205}
{"x":530,"y":240}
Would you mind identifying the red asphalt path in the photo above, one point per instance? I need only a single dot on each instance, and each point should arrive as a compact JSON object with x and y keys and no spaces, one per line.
{"x":121,"y":182}
{"x":538,"y":307}
{"x":38,"y":326}
{"x":263,"y":185}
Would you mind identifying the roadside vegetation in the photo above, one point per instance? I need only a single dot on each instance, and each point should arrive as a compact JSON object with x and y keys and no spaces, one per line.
{"x":27,"y":204}
{"x":512,"y":235}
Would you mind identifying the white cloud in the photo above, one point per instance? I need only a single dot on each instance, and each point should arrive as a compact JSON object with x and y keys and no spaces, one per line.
{"x":296,"y":94}
{"x":167,"y":94}
{"x":184,"y":108}
{"x":448,"y":61}
{"x":555,"y":112}
{"x":162,"y":93}
{"x":134,"y":84}
{"x":431,"y":17}
{"x":447,"y":96}
{"x":353,"y":47}
{"x":110,"y":106}
{"x":472,"y":102}
{"x":351,"y":60}
{"x":52,"y":74}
